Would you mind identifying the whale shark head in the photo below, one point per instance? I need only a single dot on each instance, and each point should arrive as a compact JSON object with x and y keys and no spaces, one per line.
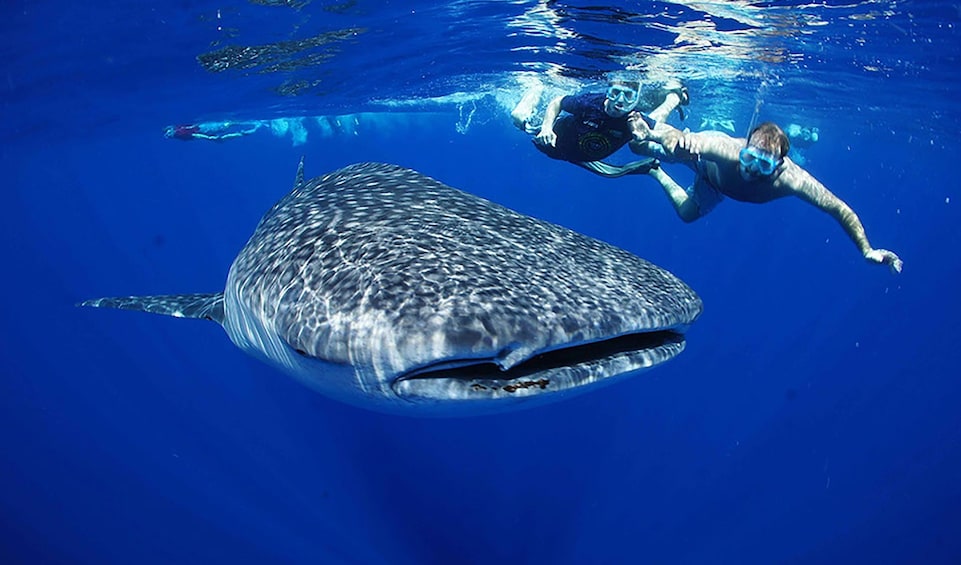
{"x":385,"y":288}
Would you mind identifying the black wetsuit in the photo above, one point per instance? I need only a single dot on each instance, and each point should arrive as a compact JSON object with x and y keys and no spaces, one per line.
{"x":588,"y":133}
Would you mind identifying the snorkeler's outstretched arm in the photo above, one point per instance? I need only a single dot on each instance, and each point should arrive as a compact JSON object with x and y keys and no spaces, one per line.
{"x":809,"y":189}
{"x":547,"y":135}
{"x":662,"y":134}
{"x":685,"y":145}
{"x":660,"y":142}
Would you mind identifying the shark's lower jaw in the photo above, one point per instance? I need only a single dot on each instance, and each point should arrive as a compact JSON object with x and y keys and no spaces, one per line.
{"x":564,"y":370}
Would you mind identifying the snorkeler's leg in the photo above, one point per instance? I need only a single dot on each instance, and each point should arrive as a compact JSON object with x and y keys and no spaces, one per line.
{"x":675,"y":96}
{"x":671,"y":101}
{"x":685,"y":206}
{"x":524,"y":111}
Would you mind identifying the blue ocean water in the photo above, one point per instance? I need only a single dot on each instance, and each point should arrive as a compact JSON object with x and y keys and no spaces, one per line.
{"x":813,"y":417}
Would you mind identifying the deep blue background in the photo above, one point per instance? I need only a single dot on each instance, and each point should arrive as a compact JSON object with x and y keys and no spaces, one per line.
{"x":813,"y":418}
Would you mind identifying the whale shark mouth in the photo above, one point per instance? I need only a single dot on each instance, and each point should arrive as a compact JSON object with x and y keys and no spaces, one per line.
{"x":559,"y":369}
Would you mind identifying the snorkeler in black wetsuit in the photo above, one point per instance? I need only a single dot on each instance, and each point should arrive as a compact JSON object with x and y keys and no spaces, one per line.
{"x":588,"y":132}
{"x":213,"y":131}
{"x":595,"y":126}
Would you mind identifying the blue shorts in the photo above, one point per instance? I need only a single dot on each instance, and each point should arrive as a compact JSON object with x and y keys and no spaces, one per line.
{"x":704,"y":195}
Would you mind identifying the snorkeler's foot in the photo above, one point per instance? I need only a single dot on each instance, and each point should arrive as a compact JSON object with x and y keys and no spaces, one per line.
{"x":675,"y":86}
{"x":647,"y":167}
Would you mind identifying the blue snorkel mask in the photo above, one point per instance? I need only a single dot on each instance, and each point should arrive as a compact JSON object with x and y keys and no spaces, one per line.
{"x":623,"y":97}
{"x":758,"y":162}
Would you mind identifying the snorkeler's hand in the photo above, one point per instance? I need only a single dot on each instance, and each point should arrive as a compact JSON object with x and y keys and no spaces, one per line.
{"x":546,"y":137}
{"x":639,"y":127}
{"x":885,"y":257}
{"x":689,"y":143}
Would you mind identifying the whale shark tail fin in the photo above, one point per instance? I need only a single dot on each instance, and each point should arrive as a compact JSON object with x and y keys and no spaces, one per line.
{"x":209,"y":306}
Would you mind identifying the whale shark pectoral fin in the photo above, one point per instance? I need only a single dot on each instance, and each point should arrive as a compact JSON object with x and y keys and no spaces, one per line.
{"x":209,"y":306}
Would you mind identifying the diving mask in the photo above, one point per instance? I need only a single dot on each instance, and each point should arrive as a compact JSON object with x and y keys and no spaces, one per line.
{"x":759,"y":162}
{"x":621,"y":93}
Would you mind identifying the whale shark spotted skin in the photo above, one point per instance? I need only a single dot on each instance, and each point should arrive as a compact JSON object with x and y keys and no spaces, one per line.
{"x":385,"y":288}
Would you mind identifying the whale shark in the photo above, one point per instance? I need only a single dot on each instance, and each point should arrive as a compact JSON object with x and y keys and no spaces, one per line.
{"x":384,"y":288}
